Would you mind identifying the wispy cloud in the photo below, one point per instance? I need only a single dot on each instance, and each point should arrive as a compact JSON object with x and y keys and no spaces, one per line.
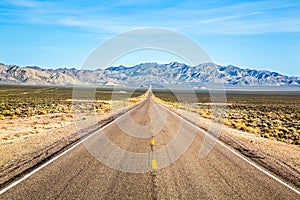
{"x":32,"y":26}
{"x":225,"y":18}
{"x":68,"y":21}
{"x":255,"y":27}
{"x":110,"y":16}
{"x":24,"y":3}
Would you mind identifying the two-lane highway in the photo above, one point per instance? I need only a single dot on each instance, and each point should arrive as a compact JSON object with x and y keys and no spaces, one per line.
{"x":127,"y":171}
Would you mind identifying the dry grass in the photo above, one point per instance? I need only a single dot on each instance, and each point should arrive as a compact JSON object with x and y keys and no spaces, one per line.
{"x":33,"y":119}
{"x":271,"y":116}
{"x":26,"y":101}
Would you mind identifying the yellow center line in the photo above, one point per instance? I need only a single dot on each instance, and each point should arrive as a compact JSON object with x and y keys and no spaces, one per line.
{"x":152,"y":142}
{"x":153,"y":164}
{"x":153,"y":161}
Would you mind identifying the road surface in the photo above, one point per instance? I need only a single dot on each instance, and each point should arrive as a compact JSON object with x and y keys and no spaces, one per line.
{"x":169,"y":166}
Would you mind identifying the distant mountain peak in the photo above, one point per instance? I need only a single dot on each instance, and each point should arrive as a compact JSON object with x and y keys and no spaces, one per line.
{"x":121,"y":67}
{"x":173,"y":73}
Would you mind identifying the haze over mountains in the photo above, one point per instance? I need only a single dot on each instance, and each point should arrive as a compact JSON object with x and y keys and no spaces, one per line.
{"x":146,"y":73}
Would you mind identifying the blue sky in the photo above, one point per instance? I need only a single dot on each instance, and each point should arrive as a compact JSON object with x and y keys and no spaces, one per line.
{"x":248,"y":34}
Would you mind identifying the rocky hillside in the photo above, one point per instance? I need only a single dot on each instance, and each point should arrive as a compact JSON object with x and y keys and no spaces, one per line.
{"x":146,"y":73}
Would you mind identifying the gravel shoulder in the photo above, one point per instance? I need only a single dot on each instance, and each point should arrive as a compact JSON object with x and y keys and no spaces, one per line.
{"x":219,"y":175}
{"x":27,"y":142}
{"x":280,"y":158}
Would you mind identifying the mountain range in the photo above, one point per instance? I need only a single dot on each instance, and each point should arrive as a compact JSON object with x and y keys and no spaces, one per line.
{"x":145,"y":74}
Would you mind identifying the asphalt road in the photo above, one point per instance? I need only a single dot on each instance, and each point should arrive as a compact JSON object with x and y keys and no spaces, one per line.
{"x":164,"y":164}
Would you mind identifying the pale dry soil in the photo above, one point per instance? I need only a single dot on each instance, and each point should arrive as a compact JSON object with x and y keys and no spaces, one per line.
{"x":26,"y":141}
{"x":280,"y":158}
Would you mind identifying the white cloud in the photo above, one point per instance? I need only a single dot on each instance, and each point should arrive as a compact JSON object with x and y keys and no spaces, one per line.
{"x":73,"y":22}
{"x":24,"y":3}
{"x":225,"y":18}
{"x":244,"y":18}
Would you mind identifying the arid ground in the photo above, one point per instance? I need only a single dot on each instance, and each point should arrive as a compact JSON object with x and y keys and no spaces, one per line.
{"x":37,"y":122}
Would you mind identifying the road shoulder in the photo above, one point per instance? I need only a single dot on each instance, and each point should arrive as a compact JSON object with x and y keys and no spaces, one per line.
{"x":279,"y":158}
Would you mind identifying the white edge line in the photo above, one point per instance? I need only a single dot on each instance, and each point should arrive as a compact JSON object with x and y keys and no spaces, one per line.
{"x":60,"y":155}
{"x":235,"y":152}
{"x":200,"y":129}
{"x":241,"y":156}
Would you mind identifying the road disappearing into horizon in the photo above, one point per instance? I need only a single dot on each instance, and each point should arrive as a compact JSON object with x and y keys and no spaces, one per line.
{"x":77,"y":174}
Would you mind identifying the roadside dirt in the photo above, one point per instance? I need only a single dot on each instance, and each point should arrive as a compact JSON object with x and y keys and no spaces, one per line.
{"x":26,"y":142}
{"x":281,"y":159}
